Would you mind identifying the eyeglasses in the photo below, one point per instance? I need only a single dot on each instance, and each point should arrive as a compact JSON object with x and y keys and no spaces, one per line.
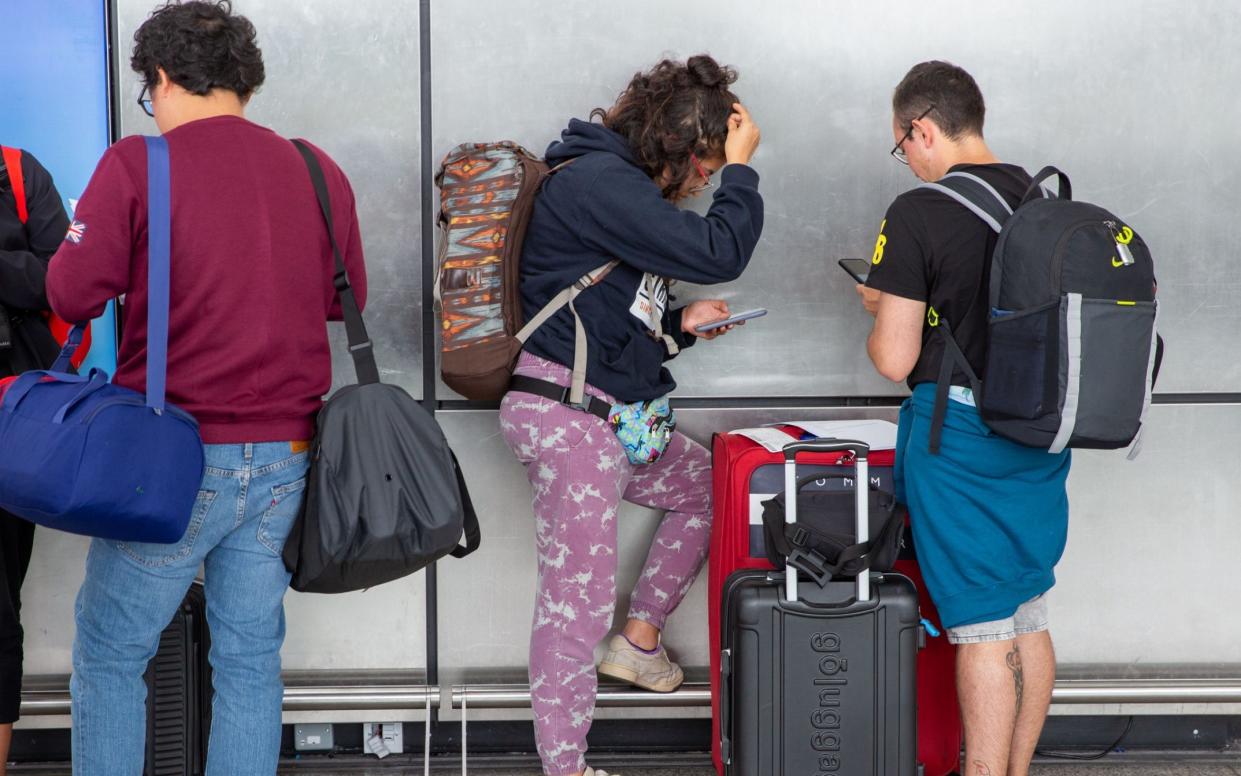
{"x":706,"y":176}
{"x":144,"y":102}
{"x":898,"y":153}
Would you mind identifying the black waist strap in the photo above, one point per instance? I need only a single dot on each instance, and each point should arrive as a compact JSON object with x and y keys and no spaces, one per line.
{"x":556,"y":392}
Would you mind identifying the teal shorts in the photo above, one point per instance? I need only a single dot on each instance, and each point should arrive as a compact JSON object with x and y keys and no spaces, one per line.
{"x":989,"y":517}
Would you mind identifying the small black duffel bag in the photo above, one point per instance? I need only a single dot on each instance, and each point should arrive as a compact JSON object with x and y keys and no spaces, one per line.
{"x":823,"y":542}
{"x":385,"y":496}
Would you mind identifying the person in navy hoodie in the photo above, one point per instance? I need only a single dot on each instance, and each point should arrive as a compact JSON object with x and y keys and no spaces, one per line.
{"x":613,"y":198}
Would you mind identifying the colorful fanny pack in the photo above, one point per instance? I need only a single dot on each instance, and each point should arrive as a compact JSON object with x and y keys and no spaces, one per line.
{"x":644,"y":428}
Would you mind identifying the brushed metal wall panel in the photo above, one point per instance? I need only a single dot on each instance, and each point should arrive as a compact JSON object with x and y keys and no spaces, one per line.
{"x":1124,"y":96}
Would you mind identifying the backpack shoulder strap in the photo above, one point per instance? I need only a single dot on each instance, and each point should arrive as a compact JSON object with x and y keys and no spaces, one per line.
{"x":13,"y":161}
{"x":976,"y":194}
{"x":567,"y":297}
{"x":952,"y":356}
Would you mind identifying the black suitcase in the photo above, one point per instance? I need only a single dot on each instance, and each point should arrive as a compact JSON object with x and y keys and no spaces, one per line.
{"x":819,"y":680}
{"x":178,"y":683}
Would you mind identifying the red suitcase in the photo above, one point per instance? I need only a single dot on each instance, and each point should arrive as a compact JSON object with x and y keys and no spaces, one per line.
{"x":745,"y":473}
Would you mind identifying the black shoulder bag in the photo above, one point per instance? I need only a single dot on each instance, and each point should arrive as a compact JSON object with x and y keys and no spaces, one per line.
{"x":385,"y":496}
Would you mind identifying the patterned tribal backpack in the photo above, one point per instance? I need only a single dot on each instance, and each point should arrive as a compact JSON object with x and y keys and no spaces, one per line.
{"x":487,"y":195}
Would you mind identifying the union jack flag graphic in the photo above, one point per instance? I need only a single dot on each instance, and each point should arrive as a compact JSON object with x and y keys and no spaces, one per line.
{"x":77,"y":230}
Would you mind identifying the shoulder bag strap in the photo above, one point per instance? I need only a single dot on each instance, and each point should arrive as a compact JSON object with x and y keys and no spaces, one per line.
{"x":13,"y":161}
{"x":159,"y":245}
{"x":360,"y":347}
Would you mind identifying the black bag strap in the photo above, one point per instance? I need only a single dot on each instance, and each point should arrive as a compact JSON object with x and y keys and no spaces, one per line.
{"x":794,"y":541}
{"x":561,"y":393}
{"x":1037,"y":191}
{"x":1158,"y":360}
{"x":473,"y":536}
{"x":360,"y":346}
{"x":6,"y":329}
{"x":952,"y":356}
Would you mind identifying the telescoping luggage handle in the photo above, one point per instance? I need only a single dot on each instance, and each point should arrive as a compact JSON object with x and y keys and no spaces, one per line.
{"x":860,"y":452}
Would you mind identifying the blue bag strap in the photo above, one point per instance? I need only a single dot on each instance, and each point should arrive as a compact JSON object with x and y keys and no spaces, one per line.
{"x":22,"y":385}
{"x":98,"y":379}
{"x":159,"y":240}
{"x":64,"y":362}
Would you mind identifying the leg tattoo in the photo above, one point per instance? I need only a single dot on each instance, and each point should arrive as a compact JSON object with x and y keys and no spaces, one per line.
{"x":1014,"y":664}
{"x":981,"y":769}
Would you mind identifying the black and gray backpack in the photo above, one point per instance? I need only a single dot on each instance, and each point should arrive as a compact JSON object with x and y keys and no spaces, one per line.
{"x":1072,"y":349}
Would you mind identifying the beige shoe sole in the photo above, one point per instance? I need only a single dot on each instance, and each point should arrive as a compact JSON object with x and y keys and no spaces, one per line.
{"x":631,"y":676}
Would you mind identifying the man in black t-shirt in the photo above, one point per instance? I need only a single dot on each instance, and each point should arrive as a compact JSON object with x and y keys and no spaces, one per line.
{"x":989,"y":517}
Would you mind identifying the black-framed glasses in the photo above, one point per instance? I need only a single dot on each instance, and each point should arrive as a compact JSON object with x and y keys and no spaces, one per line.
{"x":898,"y":153}
{"x":144,"y":102}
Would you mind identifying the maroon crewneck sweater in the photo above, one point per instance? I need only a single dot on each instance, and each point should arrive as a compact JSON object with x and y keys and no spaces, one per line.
{"x":252,"y":268}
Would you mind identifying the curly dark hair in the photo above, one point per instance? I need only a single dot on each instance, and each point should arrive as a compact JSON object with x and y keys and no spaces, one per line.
{"x":201,"y":46}
{"x":959,"y":107}
{"x":671,"y":111}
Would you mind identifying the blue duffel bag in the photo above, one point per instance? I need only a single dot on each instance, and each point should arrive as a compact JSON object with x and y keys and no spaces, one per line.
{"x":82,"y":455}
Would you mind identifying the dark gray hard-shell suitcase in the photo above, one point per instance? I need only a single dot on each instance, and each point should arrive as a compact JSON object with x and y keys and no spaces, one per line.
{"x":820,"y":680}
{"x":178,"y":680}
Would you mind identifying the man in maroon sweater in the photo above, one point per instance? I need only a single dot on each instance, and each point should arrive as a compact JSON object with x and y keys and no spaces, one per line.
{"x":248,"y":356}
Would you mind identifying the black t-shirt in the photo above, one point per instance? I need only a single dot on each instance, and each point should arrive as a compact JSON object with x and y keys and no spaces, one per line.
{"x":932,"y":249}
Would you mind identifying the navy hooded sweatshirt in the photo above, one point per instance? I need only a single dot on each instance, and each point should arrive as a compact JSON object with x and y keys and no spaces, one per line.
{"x":603,"y":207}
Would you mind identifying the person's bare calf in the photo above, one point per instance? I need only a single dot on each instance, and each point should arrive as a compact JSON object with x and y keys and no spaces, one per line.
{"x":1005,"y":690}
{"x":989,"y":683}
{"x":6,"y":737}
{"x":1038,"y":677}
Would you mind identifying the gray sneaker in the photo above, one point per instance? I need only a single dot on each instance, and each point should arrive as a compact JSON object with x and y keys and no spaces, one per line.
{"x":650,"y":672}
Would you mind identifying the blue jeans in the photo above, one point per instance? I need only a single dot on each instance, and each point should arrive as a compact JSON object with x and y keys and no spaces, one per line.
{"x":250,"y":496}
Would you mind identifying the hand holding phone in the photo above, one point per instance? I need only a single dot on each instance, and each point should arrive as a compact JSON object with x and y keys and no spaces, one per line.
{"x":858,"y":269}
{"x":757,"y":312}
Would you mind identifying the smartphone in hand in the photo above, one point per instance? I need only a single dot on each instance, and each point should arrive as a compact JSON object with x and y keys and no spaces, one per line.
{"x":858,"y":269}
{"x":757,"y":312}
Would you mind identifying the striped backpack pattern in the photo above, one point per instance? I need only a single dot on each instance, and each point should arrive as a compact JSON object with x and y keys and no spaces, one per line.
{"x":486,"y":198}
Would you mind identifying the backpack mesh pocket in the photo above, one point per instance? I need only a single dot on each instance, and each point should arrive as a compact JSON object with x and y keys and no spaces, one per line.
{"x":1023,"y":358}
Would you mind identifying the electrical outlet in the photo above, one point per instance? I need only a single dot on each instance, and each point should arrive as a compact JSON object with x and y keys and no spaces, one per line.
{"x":383,"y":738}
{"x":313,"y":738}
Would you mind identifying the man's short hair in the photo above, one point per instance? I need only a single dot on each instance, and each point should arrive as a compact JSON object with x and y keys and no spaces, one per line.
{"x":201,"y":46}
{"x":959,"y":108}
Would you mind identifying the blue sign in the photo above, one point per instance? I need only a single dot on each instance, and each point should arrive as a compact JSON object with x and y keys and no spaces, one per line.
{"x":54,"y":102}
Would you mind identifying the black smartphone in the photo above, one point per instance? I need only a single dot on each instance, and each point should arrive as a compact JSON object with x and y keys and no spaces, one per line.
{"x":858,"y":269}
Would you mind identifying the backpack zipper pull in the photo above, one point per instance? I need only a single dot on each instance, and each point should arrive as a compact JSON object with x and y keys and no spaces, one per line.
{"x":1122,"y":235}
